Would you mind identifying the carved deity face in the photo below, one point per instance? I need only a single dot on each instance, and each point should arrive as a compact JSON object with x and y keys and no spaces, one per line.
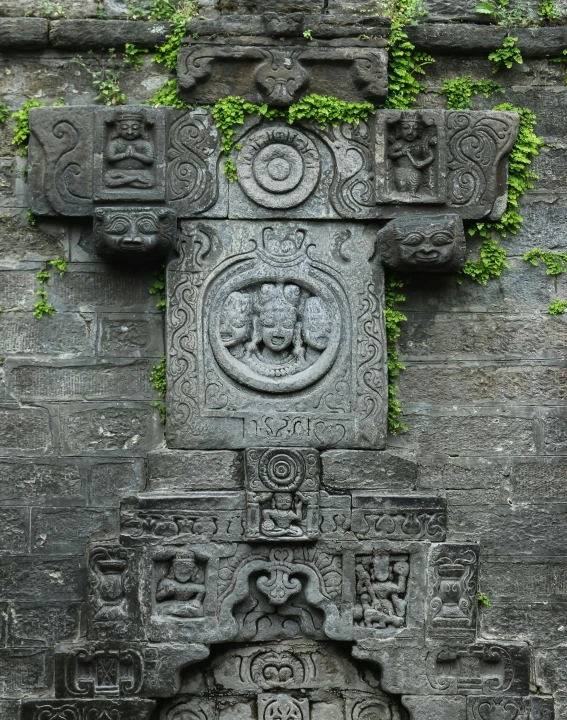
{"x":235,"y":322}
{"x":317,"y":323}
{"x":424,"y":244}
{"x":432,"y":246}
{"x":184,"y":569}
{"x":278,"y":323}
{"x":410,"y":130}
{"x":283,"y":501}
{"x":129,"y":129}
{"x":134,"y":232}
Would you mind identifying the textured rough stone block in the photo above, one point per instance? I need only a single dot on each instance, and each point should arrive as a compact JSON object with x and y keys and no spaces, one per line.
{"x":23,"y":672}
{"x":62,"y":531}
{"x":110,"y":481}
{"x":195,"y":470}
{"x":65,"y":333}
{"x":130,"y":335}
{"x":23,"y":33}
{"x":17,"y":290}
{"x":43,"y":624}
{"x":30,"y":578}
{"x":524,"y":580}
{"x":85,"y":709}
{"x":115,"y":429}
{"x":364,"y":470}
{"x":555,"y":431}
{"x":25,"y":429}
{"x":98,"y":380}
{"x":290,"y":350}
{"x":436,"y":708}
{"x":539,"y":480}
{"x":540,"y":624}
{"x":96,"y":34}
{"x":15,"y":530}
{"x":40,"y":482}
{"x":462,"y":473}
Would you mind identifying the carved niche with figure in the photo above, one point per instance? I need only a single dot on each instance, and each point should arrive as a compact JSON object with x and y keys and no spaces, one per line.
{"x":275,"y":337}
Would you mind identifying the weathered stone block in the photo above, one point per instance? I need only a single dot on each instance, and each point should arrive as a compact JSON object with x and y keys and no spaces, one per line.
{"x":25,"y":429}
{"x":110,"y":481}
{"x":436,"y":708}
{"x":97,"y":380}
{"x":85,"y":709}
{"x":555,"y":431}
{"x":17,"y":290}
{"x":63,"y":334}
{"x":182,"y":470}
{"x":23,"y":672}
{"x":130,"y":335}
{"x":539,"y":480}
{"x":397,"y":518}
{"x":43,"y":624}
{"x":364,"y":470}
{"x":30,"y":578}
{"x":540,"y":624}
{"x":96,"y":34}
{"x":15,"y":538}
{"x":23,"y":33}
{"x":462,"y":473}
{"x":40,"y":482}
{"x":113,"y":429}
{"x":63,"y":531}
{"x":290,"y":349}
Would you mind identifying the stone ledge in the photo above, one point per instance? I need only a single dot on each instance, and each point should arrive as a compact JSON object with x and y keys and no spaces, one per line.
{"x":471,"y":38}
{"x":23,"y":33}
{"x":95,"y":34}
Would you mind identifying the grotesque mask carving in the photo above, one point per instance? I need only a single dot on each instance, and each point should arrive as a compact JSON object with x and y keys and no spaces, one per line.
{"x":134,"y":231}
{"x":424,"y":244}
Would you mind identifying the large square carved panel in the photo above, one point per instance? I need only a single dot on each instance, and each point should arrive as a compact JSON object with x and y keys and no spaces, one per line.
{"x":275,"y":336}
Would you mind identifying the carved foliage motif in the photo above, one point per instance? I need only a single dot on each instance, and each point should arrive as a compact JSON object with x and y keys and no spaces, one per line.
{"x":282,"y":707}
{"x":392,"y":518}
{"x":86,"y":709}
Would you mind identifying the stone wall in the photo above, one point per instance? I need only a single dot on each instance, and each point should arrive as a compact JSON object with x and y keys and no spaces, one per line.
{"x":483,"y":393}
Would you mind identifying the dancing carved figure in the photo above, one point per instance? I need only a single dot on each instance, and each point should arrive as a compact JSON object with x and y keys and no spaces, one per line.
{"x":381,"y":592}
{"x":411,"y":154}
{"x":130,"y":152}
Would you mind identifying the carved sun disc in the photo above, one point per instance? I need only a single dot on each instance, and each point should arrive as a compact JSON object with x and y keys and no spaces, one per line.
{"x":278,"y":168}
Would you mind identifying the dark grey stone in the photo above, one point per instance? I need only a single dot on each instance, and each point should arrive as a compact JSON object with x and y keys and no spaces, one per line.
{"x":23,"y":672}
{"x":23,"y":33}
{"x":108,"y":482}
{"x":363,"y":470}
{"x":398,"y":518}
{"x":95,"y":34}
{"x":32,"y":577}
{"x":272,"y":401}
{"x":280,"y":73}
{"x":36,"y":481}
{"x":85,"y":709}
{"x":42,"y":624}
{"x":25,"y":429}
{"x":22,"y":334}
{"x":63,"y":531}
{"x":423,"y":707}
{"x":130,"y":335}
{"x":180,"y":470}
{"x":134,"y":233}
{"x":423,"y":244}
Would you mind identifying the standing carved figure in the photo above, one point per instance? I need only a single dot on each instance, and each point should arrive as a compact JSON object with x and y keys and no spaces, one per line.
{"x":411,"y":154}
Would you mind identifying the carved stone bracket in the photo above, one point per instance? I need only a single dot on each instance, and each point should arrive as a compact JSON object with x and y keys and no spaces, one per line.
{"x":280,"y":73}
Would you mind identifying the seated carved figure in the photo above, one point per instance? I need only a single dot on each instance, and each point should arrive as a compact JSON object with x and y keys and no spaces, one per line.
{"x":236,"y":322}
{"x":130,"y":152}
{"x":283,"y":518}
{"x":411,"y":154}
{"x":380,"y":591}
{"x":179,"y":591}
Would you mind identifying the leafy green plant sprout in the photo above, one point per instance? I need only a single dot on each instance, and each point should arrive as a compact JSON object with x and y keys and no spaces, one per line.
{"x":506,"y":55}
{"x":483,"y":599}
{"x":105,"y":77}
{"x":308,"y":35}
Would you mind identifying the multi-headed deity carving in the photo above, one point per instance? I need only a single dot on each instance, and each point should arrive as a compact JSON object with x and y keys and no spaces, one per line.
{"x":289,"y":347}
{"x":381,"y":586}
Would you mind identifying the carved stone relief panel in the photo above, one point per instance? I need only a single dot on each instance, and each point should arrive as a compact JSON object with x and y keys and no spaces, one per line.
{"x":438,"y":158}
{"x":484,"y":667}
{"x":97,"y":670}
{"x":85,"y":709}
{"x":279,"y":74}
{"x":452,"y":590}
{"x":398,"y":518}
{"x":282,"y":707}
{"x":434,"y":243}
{"x":304,"y":171}
{"x":129,"y":159}
{"x":112,"y":591}
{"x":81,"y":156}
{"x":518,"y":708}
{"x":275,"y":337}
{"x":137,"y":232}
{"x":389,"y":580}
{"x":282,"y":494}
{"x":411,"y":160}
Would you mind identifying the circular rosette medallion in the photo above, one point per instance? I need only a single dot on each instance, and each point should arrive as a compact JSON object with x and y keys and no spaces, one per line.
{"x":279,"y":167}
{"x":274,"y":335}
{"x":282,"y":469}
